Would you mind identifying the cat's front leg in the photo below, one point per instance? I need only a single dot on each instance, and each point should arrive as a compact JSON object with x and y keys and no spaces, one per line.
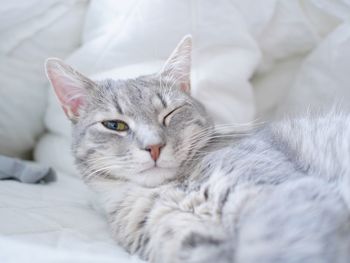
{"x":181,"y":234}
{"x":162,"y":226}
{"x":127,"y":207}
{"x":206,"y":247}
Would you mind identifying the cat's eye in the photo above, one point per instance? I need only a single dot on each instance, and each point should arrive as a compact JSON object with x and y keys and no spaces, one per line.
{"x":166,"y":118}
{"x":116,"y":125}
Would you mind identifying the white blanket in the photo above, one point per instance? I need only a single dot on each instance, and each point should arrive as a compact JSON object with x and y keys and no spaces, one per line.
{"x":54,"y":223}
{"x":30,"y":31}
{"x":252,"y":58}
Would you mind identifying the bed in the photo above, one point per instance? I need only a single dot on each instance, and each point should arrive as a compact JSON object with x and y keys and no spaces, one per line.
{"x":252,"y":61}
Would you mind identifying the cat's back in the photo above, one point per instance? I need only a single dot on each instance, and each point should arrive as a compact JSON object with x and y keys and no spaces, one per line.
{"x":319,"y":145}
{"x":306,"y":216}
{"x":286,"y":150}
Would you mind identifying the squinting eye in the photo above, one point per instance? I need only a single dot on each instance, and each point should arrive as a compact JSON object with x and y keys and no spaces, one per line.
{"x":116,"y":125}
{"x":166,"y":117}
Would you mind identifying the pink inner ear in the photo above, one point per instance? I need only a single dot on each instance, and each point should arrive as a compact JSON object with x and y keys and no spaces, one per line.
{"x":185,"y":87}
{"x":75,"y":104}
{"x":70,"y":95}
{"x":72,"y":108}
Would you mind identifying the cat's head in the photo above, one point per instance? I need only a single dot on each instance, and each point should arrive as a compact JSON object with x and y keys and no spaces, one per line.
{"x":140,"y":130}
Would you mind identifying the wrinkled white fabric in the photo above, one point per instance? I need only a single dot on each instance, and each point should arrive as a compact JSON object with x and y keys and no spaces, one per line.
{"x":251,"y":58}
{"x":54,"y":223}
{"x":30,"y":31}
{"x":323,"y":79}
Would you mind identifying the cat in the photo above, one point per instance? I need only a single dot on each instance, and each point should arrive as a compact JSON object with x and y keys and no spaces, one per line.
{"x":177,"y":188}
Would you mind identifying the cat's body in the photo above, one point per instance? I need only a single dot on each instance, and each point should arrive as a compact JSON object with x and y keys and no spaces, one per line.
{"x":177,"y":190}
{"x":277,"y":195}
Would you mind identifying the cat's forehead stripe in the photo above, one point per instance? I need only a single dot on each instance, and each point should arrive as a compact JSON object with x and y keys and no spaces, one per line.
{"x":117,"y":106}
{"x":161,"y":100}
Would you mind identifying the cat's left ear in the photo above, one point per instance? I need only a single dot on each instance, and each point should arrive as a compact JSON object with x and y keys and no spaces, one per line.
{"x":177,"y":68}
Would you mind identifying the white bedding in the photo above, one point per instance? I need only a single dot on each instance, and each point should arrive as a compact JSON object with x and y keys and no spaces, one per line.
{"x":54,"y":223}
{"x":30,"y":31}
{"x":252,"y":59}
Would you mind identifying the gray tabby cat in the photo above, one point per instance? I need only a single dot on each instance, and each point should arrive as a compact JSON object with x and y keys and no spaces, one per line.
{"x":176,"y":189}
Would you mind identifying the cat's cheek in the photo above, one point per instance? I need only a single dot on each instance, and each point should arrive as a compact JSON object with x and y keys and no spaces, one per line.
{"x":190,"y":141}
{"x":84,"y":150}
{"x":142,"y":159}
{"x":168,"y":158}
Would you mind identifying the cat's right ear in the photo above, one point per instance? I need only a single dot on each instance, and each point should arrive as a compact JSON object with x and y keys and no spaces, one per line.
{"x":70,"y":86}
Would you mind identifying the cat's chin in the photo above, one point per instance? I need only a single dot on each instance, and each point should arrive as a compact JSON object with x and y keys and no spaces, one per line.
{"x":154,"y":176}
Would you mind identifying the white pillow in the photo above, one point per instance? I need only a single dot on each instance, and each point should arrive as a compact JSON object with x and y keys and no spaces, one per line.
{"x":286,"y":32}
{"x":285,"y":29}
{"x":323,"y":80}
{"x":31,"y":30}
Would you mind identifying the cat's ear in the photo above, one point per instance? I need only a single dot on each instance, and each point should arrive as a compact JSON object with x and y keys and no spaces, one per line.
{"x":178,"y":66}
{"x":70,"y":86}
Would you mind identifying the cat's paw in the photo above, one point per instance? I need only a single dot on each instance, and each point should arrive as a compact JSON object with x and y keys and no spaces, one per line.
{"x":199,"y":248}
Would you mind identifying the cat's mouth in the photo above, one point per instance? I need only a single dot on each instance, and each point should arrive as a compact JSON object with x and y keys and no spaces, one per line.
{"x":150,"y":174}
{"x":155,"y":167}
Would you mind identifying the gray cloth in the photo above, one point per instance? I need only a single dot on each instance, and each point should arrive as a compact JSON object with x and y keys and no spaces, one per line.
{"x":24,"y":171}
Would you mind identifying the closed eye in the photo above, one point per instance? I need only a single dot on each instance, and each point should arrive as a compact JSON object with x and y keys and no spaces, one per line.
{"x":167,"y":117}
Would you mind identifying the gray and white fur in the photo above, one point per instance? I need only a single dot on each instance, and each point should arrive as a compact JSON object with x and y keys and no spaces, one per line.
{"x":278,"y":193}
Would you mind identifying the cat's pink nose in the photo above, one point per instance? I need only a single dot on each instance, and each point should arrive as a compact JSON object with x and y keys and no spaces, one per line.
{"x":154,"y":150}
